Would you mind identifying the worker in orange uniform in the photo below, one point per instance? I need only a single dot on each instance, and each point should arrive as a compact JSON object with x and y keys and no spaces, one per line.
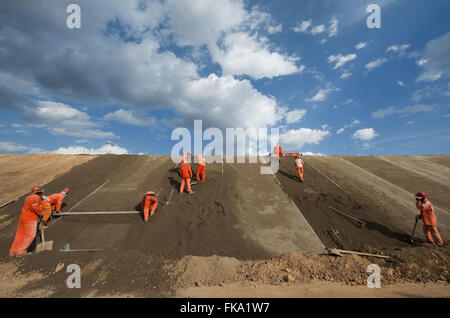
{"x":428,"y":218}
{"x":186,"y":175}
{"x":277,"y":150}
{"x":26,"y":233}
{"x":149,"y":204}
{"x":299,"y":165}
{"x":56,"y":199}
{"x":201,"y":168}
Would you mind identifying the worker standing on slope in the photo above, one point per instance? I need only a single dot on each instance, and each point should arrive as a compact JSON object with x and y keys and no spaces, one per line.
{"x":428,"y":218}
{"x":186,"y":175}
{"x":149,"y":204}
{"x":299,"y":165}
{"x":31,"y":212}
{"x":56,"y":199}
{"x":277,"y":150}
{"x":201,"y":167}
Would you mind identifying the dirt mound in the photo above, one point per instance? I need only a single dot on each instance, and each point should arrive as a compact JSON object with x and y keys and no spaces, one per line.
{"x":196,"y":270}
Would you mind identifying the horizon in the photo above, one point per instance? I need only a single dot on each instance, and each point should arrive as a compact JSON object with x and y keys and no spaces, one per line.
{"x":120,"y":77}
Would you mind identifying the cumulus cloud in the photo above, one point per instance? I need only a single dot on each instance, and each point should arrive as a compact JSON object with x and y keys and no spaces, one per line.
{"x":400,"y":83}
{"x":419,"y":108}
{"x":245,"y":55}
{"x":376,"y":63}
{"x":274,"y":29}
{"x":341,"y":59}
{"x":295,"y":115}
{"x":103,"y":150}
{"x":365,"y":134}
{"x":346,"y":75}
{"x":128,"y":117}
{"x":303,"y":26}
{"x":318,"y":29}
{"x":293,"y":140}
{"x":400,"y":48}
{"x":11,"y":147}
{"x":436,"y":59}
{"x":352,"y":124}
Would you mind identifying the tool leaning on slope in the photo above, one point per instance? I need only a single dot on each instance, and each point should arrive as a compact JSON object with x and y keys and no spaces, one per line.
{"x":33,"y":209}
{"x":429,"y":219}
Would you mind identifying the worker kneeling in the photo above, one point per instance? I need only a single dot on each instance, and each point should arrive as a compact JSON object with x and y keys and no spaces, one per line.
{"x":428,"y":218}
{"x":186,"y":175}
{"x":32,"y":210}
{"x":149,"y":204}
{"x":56,"y":200}
{"x":299,"y":165}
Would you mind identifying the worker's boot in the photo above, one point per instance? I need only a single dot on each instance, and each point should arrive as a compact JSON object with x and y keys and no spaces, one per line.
{"x":192,"y":192}
{"x":23,"y":255}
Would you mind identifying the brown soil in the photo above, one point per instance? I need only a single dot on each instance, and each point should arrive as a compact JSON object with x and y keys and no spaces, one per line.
{"x":200,"y":240}
{"x":18,"y":173}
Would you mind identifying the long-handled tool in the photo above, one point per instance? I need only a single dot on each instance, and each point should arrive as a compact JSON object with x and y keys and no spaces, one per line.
{"x":361,"y":223}
{"x":412,"y":234}
{"x":44,"y":246}
{"x":66,"y":248}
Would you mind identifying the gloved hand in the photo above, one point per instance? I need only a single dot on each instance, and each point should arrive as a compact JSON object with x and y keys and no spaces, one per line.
{"x":418,"y":217}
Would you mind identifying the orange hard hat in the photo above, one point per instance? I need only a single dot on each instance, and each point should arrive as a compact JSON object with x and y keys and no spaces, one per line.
{"x":36,"y":189}
{"x":66,"y":190}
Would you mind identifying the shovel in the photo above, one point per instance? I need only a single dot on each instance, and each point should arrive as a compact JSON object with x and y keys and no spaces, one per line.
{"x":66,"y":248}
{"x":412,"y":234}
{"x":44,"y":246}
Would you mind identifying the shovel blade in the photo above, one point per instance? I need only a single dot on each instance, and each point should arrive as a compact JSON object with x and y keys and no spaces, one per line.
{"x":46,"y":246}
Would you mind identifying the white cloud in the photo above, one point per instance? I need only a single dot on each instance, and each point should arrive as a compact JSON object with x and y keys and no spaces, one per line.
{"x":341,"y":59}
{"x":436,"y":59}
{"x":62,"y":119}
{"x":361,"y":45}
{"x":346,"y":75}
{"x":105,"y":149}
{"x":419,"y":108}
{"x":352,"y":124}
{"x":274,"y":29}
{"x":321,"y":95}
{"x":401,"y":83}
{"x":318,"y":29}
{"x":128,"y":117}
{"x":365,"y":134}
{"x":398,"y":48}
{"x":333,"y":29}
{"x":245,"y":55}
{"x":11,"y":147}
{"x":376,"y":63}
{"x":309,"y":153}
{"x":303,"y":26}
{"x":295,"y":115}
{"x":295,"y":139}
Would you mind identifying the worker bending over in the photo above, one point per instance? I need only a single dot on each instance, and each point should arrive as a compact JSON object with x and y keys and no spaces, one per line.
{"x":32,"y":210}
{"x":428,"y":218}
{"x":149,"y":204}
{"x":278,"y":151}
{"x":201,"y":167}
{"x":186,"y":175}
{"x":56,"y":199}
{"x":299,"y":165}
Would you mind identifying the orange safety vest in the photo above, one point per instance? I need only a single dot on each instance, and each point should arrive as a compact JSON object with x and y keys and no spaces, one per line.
{"x":32,"y":208}
{"x":185,"y":170}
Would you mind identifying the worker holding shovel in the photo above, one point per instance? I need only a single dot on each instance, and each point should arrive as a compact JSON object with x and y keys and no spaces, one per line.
{"x":428,"y":218}
{"x":32,"y":210}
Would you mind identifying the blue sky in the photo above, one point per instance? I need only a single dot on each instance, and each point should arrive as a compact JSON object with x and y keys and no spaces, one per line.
{"x":138,"y":69}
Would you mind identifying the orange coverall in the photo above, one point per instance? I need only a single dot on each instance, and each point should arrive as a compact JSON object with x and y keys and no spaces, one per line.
{"x":429,"y":222}
{"x":56,"y":201}
{"x":201,"y":168}
{"x":186,"y":175}
{"x":26,"y":232}
{"x":277,"y":150}
{"x":299,"y":164}
{"x":149,"y":203}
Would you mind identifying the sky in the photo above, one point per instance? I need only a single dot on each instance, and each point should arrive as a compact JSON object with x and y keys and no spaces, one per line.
{"x":136,"y":70}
